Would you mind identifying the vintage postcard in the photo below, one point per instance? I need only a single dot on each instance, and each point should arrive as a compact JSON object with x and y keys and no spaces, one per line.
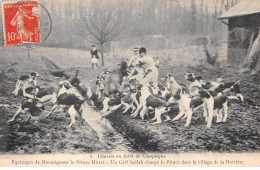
{"x":147,"y":83}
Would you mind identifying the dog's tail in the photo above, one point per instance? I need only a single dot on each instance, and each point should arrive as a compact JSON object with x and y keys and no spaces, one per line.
{"x":77,"y":73}
{"x":236,"y":87}
{"x":236,"y":82}
{"x":234,"y":98}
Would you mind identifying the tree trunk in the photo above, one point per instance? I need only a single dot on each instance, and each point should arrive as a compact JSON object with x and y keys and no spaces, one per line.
{"x":201,"y":19}
{"x":193,"y":17}
{"x":257,"y":77}
{"x":102,"y":54}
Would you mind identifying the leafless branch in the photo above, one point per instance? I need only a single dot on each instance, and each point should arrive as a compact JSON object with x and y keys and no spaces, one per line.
{"x":101,"y":24}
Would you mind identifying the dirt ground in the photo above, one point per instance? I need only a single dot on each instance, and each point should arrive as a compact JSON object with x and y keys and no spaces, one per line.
{"x":46,"y":135}
{"x":241,"y":132}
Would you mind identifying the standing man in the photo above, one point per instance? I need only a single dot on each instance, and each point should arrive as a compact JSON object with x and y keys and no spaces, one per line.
{"x":94,"y":56}
{"x":147,"y":63}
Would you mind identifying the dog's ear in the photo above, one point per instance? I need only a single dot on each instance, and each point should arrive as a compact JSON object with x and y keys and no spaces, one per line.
{"x":139,"y":86}
{"x":178,"y":92}
{"x":204,"y":93}
{"x":151,"y":83}
{"x":221,"y":86}
{"x":29,"y":89}
{"x":185,"y":90}
{"x":177,"y":97}
{"x":208,"y":83}
{"x":198,"y":77}
{"x":67,"y":85}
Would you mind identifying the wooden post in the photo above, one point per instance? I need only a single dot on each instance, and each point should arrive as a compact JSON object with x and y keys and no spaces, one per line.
{"x":248,"y":50}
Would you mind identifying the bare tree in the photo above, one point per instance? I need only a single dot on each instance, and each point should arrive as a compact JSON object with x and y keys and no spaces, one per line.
{"x":226,"y":4}
{"x":100,"y":25}
{"x":193,"y":17}
{"x":215,"y":16}
{"x":207,"y":18}
{"x":201,"y":18}
{"x":102,"y":21}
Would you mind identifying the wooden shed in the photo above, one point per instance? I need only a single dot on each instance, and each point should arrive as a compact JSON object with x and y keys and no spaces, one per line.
{"x":243,"y":22}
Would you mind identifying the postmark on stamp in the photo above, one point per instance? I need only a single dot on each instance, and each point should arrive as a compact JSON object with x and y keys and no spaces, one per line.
{"x":21,"y":23}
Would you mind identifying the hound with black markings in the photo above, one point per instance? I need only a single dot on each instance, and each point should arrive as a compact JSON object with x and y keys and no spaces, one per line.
{"x":70,"y":98}
{"x":171,"y":84}
{"x":24,"y":82}
{"x":162,"y":90}
{"x":187,"y":105}
{"x":208,"y":106}
{"x":148,"y":100}
{"x":194,"y":80}
{"x":28,"y":106}
{"x":130,"y":98}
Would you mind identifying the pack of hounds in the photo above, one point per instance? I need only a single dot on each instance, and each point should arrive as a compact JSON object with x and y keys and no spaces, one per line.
{"x":119,"y":89}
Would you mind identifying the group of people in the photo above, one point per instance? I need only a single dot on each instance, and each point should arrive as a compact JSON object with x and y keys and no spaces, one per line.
{"x":140,"y":62}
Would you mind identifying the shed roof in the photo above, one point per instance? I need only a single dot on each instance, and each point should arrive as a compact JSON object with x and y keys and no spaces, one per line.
{"x":245,"y":7}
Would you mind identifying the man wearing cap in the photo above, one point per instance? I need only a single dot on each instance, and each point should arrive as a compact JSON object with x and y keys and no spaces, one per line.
{"x":134,"y":59}
{"x":94,"y":56}
{"x":147,"y":63}
{"x":133,"y":63}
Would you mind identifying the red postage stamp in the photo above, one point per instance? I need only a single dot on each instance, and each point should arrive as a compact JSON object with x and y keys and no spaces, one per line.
{"x":21,"y":23}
